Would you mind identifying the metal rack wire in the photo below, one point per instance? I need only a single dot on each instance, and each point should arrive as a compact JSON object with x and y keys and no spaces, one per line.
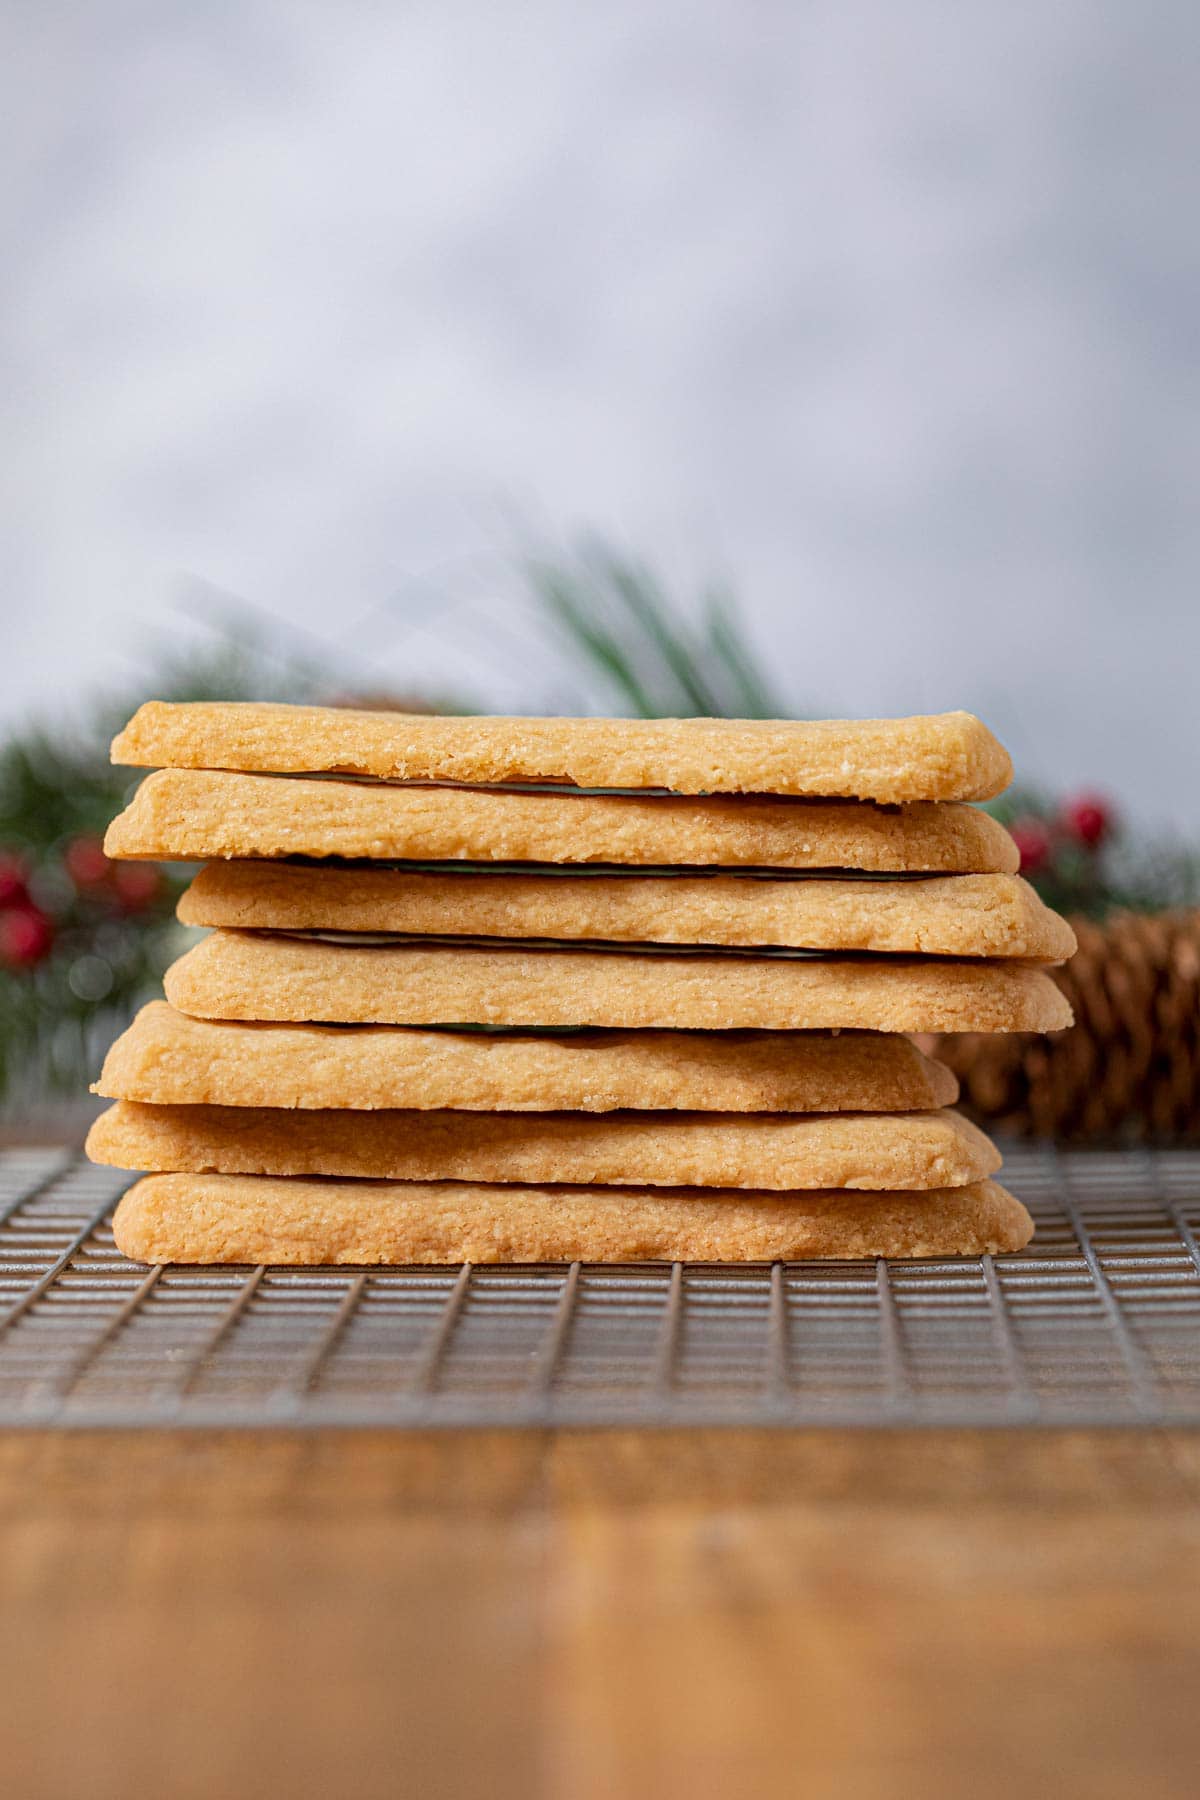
{"x":1096,"y":1323}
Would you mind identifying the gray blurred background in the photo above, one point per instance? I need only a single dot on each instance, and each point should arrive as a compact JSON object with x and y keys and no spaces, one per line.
{"x":888,"y":312}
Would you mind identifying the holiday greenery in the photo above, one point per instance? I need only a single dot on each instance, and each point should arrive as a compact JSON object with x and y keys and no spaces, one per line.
{"x":84,"y":940}
{"x":1083,"y":859}
{"x":650,"y":660}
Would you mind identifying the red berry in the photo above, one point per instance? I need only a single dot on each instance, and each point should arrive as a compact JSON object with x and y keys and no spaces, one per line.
{"x":85,"y":861}
{"x":136,"y":884}
{"x":12,"y":881}
{"x":1033,"y":844}
{"x":1088,"y":818}
{"x":25,"y":936}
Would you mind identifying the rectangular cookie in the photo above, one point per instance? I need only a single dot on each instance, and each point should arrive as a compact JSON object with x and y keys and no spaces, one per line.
{"x":721,"y":1150}
{"x":248,"y":975}
{"x":954,"y":915}
{"x":190,"y":814}
{"x":258,"y":1219}
{"x":945,"y":756}
{"x":168,"y":1058}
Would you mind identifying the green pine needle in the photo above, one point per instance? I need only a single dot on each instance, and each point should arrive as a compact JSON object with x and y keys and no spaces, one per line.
{"x":615,"y":615}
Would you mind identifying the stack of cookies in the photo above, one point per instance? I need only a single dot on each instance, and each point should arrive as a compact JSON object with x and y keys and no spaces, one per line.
{"x":513,"y":990}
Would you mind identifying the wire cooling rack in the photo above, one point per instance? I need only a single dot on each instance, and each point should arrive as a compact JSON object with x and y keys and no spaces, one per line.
{"x":1096,"y":1323}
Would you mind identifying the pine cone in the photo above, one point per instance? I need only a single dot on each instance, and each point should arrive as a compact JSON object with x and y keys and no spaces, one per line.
{"x":1130,"y":1065}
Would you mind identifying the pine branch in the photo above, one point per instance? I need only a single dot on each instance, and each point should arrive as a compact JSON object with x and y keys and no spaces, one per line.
{"x":616,"y":616}
{"x":752,"y":697}
{"x":649,"y":612}
{"x":565,"y":604}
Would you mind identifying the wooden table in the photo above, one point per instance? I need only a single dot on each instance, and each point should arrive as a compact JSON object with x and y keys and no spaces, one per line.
{"x":600,"y":1614}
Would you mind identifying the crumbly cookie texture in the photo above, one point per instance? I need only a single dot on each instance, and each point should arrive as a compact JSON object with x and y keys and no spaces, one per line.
{"x":190,"y":814}
{"x":258,"y":1219}
{"x":945,"y":756}
{"x":721,"y":1150}
{"x":954,"y":915}
{"x":168,"y":1058}
{"x":246,"y":975}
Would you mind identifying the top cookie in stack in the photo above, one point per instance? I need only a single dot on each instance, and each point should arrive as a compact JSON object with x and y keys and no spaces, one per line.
{"x":685,"y":911}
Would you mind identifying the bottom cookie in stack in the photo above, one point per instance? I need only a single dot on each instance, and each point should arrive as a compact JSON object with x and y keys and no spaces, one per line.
{"x":264,"y":1219}
{"x":612,"y":1146}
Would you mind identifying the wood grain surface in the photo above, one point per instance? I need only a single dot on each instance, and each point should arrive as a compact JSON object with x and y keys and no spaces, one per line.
{"x":600,"y":1614}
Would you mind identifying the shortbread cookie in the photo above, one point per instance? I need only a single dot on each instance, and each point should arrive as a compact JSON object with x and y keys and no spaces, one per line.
{"x":189,"y":814}
{"x":948,"y":756}
{"x":953,"y":915}
{"x":248,"y":975}
{"x":258,"y":1219}
{"x":168,"y":1058}
{"x":724,"y":1150}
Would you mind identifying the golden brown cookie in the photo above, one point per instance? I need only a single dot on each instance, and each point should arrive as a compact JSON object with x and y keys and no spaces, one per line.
{"x":724,"y":1150}
{"x":249,"y":975}
{"x":953,"y":915}
{"x":946,"y":756}
{"x":168,"y":1058}
{"x":258,"y":1219}
{"x":189,"y":814}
